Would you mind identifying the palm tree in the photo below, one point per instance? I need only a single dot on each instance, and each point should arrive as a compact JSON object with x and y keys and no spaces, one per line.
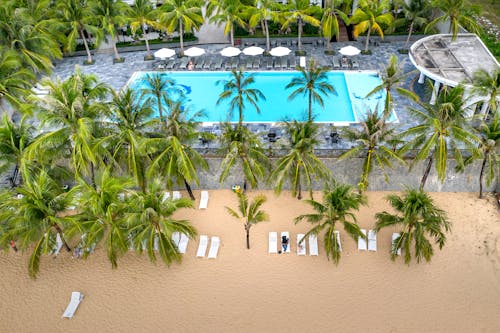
{"x":329,"y":21}
{"x":442,"y":127}
{"x":339,"y":203}
{"x":230,"y":12}
{"x":487,"y":84}
{"x":374,"y":132}
{"x":299,"y":164}
{"x":250,"y":214}
{"x":457,"y":13}
{"x":261,"y":14}
{"x":176,"y":159}
{"x":417,"y":215}
{"x":416,"y":12}
{"x":238,"y":91}
{"x":312,"y":81}
{"x":35,"y":218}
{"x":150,"y":223}
{"x":141,"y":14}
{"x":184,"y":15}
{"x":158,"y":85}
{"x":111,"y":14}
{"x":371,"y":15}
{"x":300,"y":12}
{"x":14,"y":79}
{"x":77,"y":17}
{"x":240,"y":145}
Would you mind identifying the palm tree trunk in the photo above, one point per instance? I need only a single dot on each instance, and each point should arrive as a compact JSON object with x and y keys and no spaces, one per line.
{"x":299,"y":35}
{"x":92,"y":175}
{"x":181,"y":37}
{"x":409,"y":34}
{"x":59,"y":230}
{"x":388,"y":102}
{"x":160,"y":109}
{"x":14,"y":176}
{"x":366,"y":170}
{"x":231,"y":35}
{"x":310,"y":106}
{"x":266,"y":29}
{"x":188,"y":188}
{"x":481,"y":174}
{"x":299,"y":196}
{"x":148,"y":51}
{"x":115,"y":49}
{"x":89,"y":56}
{"x":426,"y":173}
{"x":367,"y":38}
{"x":247,"y":229}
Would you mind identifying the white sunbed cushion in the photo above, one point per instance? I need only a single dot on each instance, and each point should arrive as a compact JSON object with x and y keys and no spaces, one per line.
{"x":202,"y":247}
{"x":372,"y":240}
{"x":76,"y":298}
{"x":313,"y":245}
{"x":287,"y":234}
{"x":204,"y":200}
{"x":273,"y":242}
{"x":337,"y":235}
{"x":176,"y":195}
{"x":214,"y":247}
{"x":183,"y":243}
{"x":362,"y":241}
{"x":166,"y":196}
{"x":394,"y":237}
{"x":301,"y":246}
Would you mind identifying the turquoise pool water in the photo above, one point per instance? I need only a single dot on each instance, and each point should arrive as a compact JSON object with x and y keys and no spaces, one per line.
{"x":348,"y":105}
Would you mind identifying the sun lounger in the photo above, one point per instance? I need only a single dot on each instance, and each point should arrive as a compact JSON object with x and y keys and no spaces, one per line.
{"x":184,"y":63}
{"x":217,"y":64}
{"x":256,"y":63}
{"x":166,"y":196}
{"x":227,"y":64}
{"x":302,"y":62}
{"x":199,"y":62}
{"x":362,"y":241}
{"x":214,"y":247}
{"x":183,"y":243}
{"x":58,"y":246}
{"x":395,"y":236}
{"x":249,"y":63}
{"x":176,"y":237}
{"x":301,"y":245}
{"x":204,"y":200}
{"x":277,"y":63}
{"x":170,"y":64}
{"x":269,"y":63}
{"x":313,"y":245}
{"x":273,"y":242}
{"x":293,"y":62}
{"x":336,"y":62}
{"x":234,"y":62}
{"x":76,"y":298}
{"x":287,"y":235}
{"x":176,"y":195}
{"x":284,"y":63}
{"x":372,"y":240}
{"x":208,"y":63}
{"x":202,"y":247}
{"x":337,"y":235}
{"x":355,"y":64}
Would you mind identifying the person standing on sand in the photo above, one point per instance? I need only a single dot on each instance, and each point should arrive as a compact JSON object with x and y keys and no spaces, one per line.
{"x":284,"y":242}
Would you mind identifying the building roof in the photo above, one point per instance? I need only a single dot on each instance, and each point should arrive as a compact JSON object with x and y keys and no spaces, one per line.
{"x":451,"y":62}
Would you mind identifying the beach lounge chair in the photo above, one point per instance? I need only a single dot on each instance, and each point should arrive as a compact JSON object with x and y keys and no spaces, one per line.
{"x":184,"y":63}
{"x":273,"y":242}
{"x":234,"y":62}
{"x":269,"y":63}
{"x":302,"y":62}
{"x":249,"y":63}
{"x":313,"y":245}
{"x":202,"y":247}
{"x":170,"y":64}
{"x":355,"y":64}
{"x":227,"y":65}
{"x":199,"y":62}
{"x":336,"y":62}
{"x":76,"y":298}
{"x":362,"y":241}
{"x":217,"y":64}
{"x":287,"y":235}
{"x":166,"y":196}
{"x":58,"y":246}
{"x":214,"y":247}
{"x":176,"y":195}
{"x":277,"y":63}
{"x":176,"y":237}
{"x":293,"y":62}
{"x":208,"y":63}
{"x":395,"y":236}
{"x":337,"y":235}
{"x":183,"y":243}
{"x":372,"y":240}
{"x":301,"y":245}
{"x":204,"y":200}
{"x":256,"y":63}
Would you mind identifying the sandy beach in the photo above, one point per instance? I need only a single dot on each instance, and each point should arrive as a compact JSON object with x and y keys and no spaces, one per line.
{"x":253,"y":291}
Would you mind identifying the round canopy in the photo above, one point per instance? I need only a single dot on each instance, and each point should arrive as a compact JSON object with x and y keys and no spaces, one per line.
{"x":280,"y":51}
{"x":164,"y":53}
{"x":253,"y":50}
{"x":194,"y":52}
{"x":230,"y":51}
{"x":349,"y":51}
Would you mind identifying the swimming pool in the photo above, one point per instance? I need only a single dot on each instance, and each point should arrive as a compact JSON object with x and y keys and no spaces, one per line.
{"x":347,"y":106}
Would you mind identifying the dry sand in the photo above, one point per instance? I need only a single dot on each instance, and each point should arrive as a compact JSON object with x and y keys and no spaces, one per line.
{"x":252,"y":291}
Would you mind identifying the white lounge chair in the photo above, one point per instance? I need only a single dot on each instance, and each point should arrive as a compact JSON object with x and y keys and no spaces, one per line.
{"x":362,"y":241}
{"x":287,"y":235}
{"x":214,"y":247}
{"x":337,"y":235}
{"x":76,"y":298}
{"x":176,"y":237}
{"x":372,"y":240}
{"x":202,"y":247}
{"x":166,"y":196}
{"x":204,"y":200}
{"x":58,"y":246}
{"x":273,"y":242}
{"x":301,"y":246}
{"x":313,"y":245}
{"x":394,"y":237}
{"x":183,"y":243}
{"x":176,"y":195}
{"x":302,"y":62}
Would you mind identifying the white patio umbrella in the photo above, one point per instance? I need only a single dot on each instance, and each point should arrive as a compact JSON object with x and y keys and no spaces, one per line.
{"x":164,"y":53}
{"x":230,"y":51}
{"x":194,"y":52}
{"x":349,"y":51}
{"x":279,"y":51}
{"x":253,"y":50}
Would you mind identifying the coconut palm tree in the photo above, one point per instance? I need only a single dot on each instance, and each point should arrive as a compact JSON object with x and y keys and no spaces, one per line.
{"x":267,"y":10}
{"x":34,"y":218}
{"x":111,"y":14}
{"x":14,"y":79}
{"x":77,"y":18}
{"x":249,"y":214}
{"x":300,"y":12}
{"x":338,"y":205}
{"x":184,"y":15}
{"x":372,"y":135}
{"x":312,"y":82}
{"x":417,"y":216}
{"x":442,"y":128}
{"x":329,"y":21}
{"x":371,"y":15}
{"x":230,"y":12}
{"x":142,"y":13}
{"x":457,"y":13}
{"x":159,"y":86}
{"x":150,"y":223}
{"x":416,"y":12}
{"x":300,"y":164}
{"x":240,"y":146}
{"x":238,"y":91}
{"x":176,"y":159}
{"x":487,"y":83}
